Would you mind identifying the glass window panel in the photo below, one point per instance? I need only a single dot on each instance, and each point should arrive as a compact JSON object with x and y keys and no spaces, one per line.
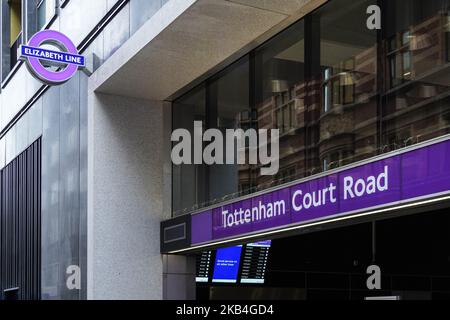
{"x":117,"y":32}
{"x":229,"y":98}
{"x":141,"y":11}
{"x":347,"y":132}
{"x":22,"y":127}
{"x":280,"y":86}
{"x":188,"y":179}
{"x":35,"y":122}
{"x":80,"y":17}
{"x":41,"y":14}
{"x":338,"y":93}
{"x":418,"y":109}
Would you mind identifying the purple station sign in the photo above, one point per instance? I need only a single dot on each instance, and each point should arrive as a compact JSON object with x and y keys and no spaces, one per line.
{"x":66,"y":60}
{"x":400,"y":178}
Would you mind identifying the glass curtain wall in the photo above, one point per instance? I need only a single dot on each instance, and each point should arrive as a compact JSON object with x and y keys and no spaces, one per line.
{"x":342,"y":87}
{"x":416,"y":102}
{"x":228,"y":107}
{"x":280,"y":91}
{"x":189,"y":180}
{"x":338,"y":92}
{"x":222,"y":103}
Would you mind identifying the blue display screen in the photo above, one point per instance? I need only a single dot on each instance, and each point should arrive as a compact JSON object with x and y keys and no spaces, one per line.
{"x":226,"y":266}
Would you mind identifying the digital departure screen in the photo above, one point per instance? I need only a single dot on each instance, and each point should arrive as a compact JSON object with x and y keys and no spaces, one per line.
{"x":254,"y":262}
{"x":226,"y":266}
{"x":204,"y":266}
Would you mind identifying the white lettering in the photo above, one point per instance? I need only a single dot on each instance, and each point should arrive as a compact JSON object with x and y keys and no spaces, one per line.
{"x":348,"y":184}
{"x":383,"y":180}
{"x":224,"y":218}
{"x":333,"y":198}
{"x":296,"y":207}
{"x":259,"y":212}
{"x":314,"y":199}
{"x":371,"y":185}
{"x":301,"y":200}
{"x":360,"y":188}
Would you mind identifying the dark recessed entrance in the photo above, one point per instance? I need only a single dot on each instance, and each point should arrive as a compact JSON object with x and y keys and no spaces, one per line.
{"x":413,"y":253}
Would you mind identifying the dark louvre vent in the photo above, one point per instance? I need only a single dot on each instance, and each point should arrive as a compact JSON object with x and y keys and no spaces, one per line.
{"x":20,"y":227}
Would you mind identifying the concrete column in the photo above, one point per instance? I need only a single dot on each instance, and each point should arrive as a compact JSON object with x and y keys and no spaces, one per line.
{"x":125,"y":198}
{"x":129,"y":194}
{"x":179,"y":277}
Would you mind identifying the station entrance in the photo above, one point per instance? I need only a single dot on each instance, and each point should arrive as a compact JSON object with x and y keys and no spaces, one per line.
{"x":412,"y":252}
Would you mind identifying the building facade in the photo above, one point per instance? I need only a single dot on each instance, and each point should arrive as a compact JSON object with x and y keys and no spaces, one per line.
{"x":93,"y":208}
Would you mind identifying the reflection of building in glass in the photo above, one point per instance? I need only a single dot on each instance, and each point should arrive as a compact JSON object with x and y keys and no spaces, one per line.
{"x":416,"y":94}
{"x":349,"y":111}
{"x":336,"y":113}
{"x":333,"y":121}
{"x":338,"y":93}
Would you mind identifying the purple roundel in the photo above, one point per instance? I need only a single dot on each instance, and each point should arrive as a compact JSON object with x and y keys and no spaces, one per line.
{"x":68,"y":56}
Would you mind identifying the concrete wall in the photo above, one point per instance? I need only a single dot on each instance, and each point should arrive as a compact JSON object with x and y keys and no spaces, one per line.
{"x":179,"y":277}
{"x":125,"y":192}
